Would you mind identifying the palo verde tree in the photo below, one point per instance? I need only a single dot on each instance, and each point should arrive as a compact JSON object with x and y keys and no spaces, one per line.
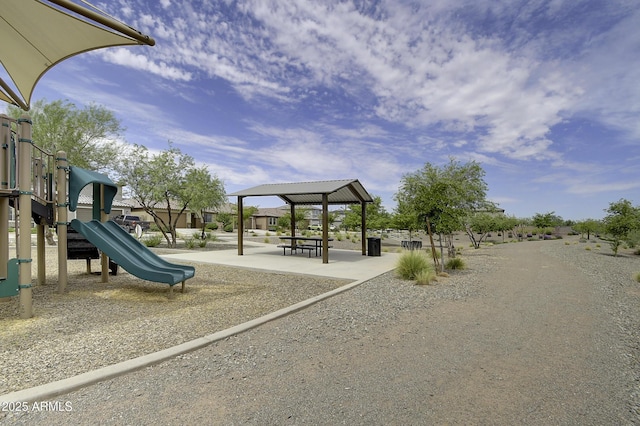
{"x":621,"y":221}
{"x":167,"y":184}
{"x":87,"y":134}
{"x":442,"y":197}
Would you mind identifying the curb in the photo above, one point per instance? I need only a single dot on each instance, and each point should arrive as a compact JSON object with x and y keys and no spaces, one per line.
{"x":50,"y":390}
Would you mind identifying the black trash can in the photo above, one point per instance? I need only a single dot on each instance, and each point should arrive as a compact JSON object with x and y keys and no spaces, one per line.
{"x":374,"y":246}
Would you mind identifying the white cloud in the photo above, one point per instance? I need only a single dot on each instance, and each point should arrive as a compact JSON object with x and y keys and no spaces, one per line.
{"x":125,"y":57}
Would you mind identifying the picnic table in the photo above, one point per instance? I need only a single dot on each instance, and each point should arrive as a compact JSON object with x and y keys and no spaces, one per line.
{"x":305,"y":244}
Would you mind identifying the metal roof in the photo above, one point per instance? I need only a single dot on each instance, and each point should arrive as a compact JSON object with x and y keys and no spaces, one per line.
{"x":344,"y":191}
{"x":36,"y":35}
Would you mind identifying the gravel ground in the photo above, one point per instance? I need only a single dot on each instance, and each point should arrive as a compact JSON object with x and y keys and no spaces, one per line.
{"x":531,"y":333}
{"x":96,"y":324}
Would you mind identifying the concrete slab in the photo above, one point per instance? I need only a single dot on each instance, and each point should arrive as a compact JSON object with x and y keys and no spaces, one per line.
{"x":348,"y":264}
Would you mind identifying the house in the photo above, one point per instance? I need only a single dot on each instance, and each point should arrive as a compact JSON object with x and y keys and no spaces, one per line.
{"x":84,"y":211}
{"x":266,"y":218}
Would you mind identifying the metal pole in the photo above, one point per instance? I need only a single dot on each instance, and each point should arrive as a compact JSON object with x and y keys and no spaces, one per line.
{"x":106,"y":21}
{"x":103,"y":218}
{"x":5,"y":137}
{"x":325,"y":228}
{"x":63,"y":217}
{"x":39,"y":192}
{"x":363,"y":235}
{"x":25,"y":145}
{"x":240,"y":227}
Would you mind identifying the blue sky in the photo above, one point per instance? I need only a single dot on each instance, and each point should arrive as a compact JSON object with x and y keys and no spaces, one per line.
{"x":545,"y":95}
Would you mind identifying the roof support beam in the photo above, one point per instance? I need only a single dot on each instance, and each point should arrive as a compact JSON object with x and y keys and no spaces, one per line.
{"x":325,"y":228}
{"x":106,"y":21}
{"x":363,"y":226}
{"x":240,"y":227}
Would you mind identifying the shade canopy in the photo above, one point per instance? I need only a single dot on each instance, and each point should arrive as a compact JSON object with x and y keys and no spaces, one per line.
{"x":345,"y":191}
{"x":35,"y":35}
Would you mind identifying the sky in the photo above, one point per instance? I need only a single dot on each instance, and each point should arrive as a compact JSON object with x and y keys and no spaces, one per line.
{"x":544,"y":95}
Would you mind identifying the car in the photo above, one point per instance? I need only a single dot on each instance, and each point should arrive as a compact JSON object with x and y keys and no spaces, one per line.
{"x":129,"y":222}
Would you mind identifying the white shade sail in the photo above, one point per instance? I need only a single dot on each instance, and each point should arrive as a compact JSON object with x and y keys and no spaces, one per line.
{"x":35,"y":35}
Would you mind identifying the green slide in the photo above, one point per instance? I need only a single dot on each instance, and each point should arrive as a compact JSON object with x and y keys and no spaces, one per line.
{"x":129,"y":253}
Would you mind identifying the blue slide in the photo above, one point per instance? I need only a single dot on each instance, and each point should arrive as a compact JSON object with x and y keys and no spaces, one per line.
{"x":129,"y":253}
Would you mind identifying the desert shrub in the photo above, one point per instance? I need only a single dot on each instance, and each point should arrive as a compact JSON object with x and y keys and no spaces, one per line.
{"x":455,"y":263}
{"x":266,"y":240}
{"x":228,"y":228}
{"x":211,"y":226}
{"x":430,"y":254}
{"x":588,"y":248}
{"x":426,"y":276}
{"x":637,"y":252}
{"x":152,"y":240}
{"x":411,"y":263}
{"x":638,"y":277}
{"x":190,"y":243}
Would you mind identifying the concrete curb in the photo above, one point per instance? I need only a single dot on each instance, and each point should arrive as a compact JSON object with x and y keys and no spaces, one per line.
{"x":61,"y":387}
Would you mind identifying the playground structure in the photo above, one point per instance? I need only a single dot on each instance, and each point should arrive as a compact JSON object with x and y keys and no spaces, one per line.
{"x":27,"y":184}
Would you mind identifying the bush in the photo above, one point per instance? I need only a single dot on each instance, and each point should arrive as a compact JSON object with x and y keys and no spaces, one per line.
{"x":455,"y":263}
{"x":152,"y":240}
{"x":411,"y":263}
{"x":638,"y":277}
{"x":190,"y":243}
{"x":426,"y":276}
{"x":211,"y":226}
{"x":266,"y":240}
{"x":228,"y":228}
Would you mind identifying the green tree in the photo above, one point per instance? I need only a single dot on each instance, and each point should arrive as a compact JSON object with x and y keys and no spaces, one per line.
{"x":284,"y":221}
{"x":168,"y":181}
{"x":405,"y":218}
{"x":89,"y":135}
{"x":543,"y":221}
{"x":225,"y":218}
{"x":621,"y":221}
{"x":442,"y":197}
{"x":204,"y":193}
{"x":376,"y":215}
{"x":247,"y":212}
{"x":478,"y":226}
{"x":588,"y":227}
{"x":506,"y":224}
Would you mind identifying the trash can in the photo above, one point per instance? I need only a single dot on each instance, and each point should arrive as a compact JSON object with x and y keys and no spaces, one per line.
{"x":373,"y":246}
